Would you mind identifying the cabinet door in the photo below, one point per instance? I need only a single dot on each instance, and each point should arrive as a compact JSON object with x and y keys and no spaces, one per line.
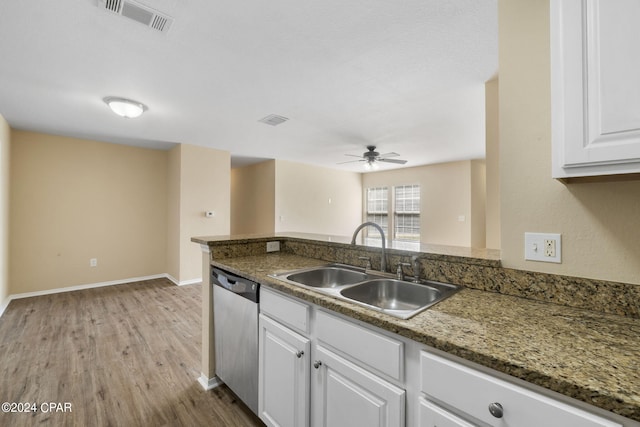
{"x":433,"y":416}
{"x":283,"y":396}
{"x":595,"y":63}
{"x":346,"y":395}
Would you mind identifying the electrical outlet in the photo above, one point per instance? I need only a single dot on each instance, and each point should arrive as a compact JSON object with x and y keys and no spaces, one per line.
{"x":545,"y":247}
{"x":273,"y":246}
{"x":93,"y":262}
{"x":549,"y":248}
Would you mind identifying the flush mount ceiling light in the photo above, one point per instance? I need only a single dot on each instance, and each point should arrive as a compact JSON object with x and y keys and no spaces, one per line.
{"x":125,"y":107}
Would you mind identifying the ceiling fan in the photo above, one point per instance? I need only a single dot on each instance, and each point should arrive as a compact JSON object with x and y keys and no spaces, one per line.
{"x":372,"y":156}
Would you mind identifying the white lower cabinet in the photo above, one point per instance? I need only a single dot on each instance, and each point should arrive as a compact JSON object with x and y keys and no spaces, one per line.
{"x":328,"y":389}
{"x":283,"y":395}
{"x":326,"y":370}
{"x":431,"y":415}
{"x":344,"y":394}
{"x":495,"y":402}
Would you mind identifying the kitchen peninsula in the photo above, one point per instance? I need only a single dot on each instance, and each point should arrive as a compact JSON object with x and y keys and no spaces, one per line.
{"x":573,"y":336}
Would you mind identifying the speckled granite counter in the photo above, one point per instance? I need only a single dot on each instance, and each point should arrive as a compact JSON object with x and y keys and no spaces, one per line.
{"x":590,"y":356}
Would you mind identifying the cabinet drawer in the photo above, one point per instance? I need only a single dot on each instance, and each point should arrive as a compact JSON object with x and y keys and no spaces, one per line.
{"x":290,"y":312}
{"x":472,"y":392}
{"x":363,"y":345}
{"x":432,"y":415}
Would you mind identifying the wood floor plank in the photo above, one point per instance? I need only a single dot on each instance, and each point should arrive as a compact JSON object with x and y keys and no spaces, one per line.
{"x":126,"y":355}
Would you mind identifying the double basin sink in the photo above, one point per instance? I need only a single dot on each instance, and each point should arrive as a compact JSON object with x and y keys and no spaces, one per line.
{"x":398,"y":298}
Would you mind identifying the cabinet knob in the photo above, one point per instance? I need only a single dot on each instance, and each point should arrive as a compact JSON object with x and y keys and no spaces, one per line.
{"x":496,"y":410}
{"x":299,"y":354}
{"x":317,"y":364}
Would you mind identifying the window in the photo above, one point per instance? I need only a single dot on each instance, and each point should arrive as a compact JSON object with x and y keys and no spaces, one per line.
{"x":405,"y":206}
{"x":407,"y":213}
{"x":378,"y":210}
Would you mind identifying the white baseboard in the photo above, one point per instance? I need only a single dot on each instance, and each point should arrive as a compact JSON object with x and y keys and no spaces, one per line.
{"x":4,"y":305}
{"x":88,"y":286}
{"x":184,"y":282}
{"x":209,"y":383}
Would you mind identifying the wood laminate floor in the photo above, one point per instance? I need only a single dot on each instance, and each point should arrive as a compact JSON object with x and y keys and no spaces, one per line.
{"x":126,"y":355}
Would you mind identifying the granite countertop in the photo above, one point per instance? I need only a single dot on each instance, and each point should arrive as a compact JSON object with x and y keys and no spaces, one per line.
{"x":488,"y":256}
{"x":592,"y":357}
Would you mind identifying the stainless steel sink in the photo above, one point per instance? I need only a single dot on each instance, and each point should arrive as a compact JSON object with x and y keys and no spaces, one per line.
{"x":327,"y":277}
{"x":392,"y":294}
{"x":399,"y":298}
{"x":394,"y":297}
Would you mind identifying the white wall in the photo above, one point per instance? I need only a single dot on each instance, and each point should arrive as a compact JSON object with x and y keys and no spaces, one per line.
{"x":598,"y":221}
{"x":312,"y":199}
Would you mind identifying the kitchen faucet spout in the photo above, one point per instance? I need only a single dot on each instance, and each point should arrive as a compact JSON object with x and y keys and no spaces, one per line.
{"x":383,"y":257}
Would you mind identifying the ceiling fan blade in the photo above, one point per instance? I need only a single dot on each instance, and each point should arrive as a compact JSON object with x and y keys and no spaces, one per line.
{"x":352,"y":155}
{"x":351,"y":161}
{"x":389,"y":155}
{"x":398,"y":161}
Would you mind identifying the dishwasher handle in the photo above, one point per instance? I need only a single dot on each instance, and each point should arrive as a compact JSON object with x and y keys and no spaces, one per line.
{"x":238,"y":285}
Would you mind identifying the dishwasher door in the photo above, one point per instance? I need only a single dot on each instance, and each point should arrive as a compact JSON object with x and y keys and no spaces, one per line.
{"x":235,"y":313}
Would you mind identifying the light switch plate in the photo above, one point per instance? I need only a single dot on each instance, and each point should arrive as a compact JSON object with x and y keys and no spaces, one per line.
{"x":545,"y":247}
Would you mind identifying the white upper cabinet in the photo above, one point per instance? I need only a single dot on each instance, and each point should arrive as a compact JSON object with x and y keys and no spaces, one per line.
{"x":595,"y":87}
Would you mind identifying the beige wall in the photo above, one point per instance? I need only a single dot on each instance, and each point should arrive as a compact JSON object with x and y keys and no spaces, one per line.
{"x":202,"y":178}
{"x":492,"y":164}
{"x":313,"y":199}
{"x":4,"y":211}
{"x":72,"y":200}
{"x":174,"y":156}
{"x":478,"y":219}
{"x":598,"y":221}
{"x":446,"y":194}
{"x":253,"y":198}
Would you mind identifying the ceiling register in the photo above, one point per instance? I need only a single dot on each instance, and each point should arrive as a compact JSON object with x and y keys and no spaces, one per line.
{"x":139,"y":13}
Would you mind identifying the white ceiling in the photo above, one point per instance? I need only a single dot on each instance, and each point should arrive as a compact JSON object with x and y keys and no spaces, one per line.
{"x":404,"y":75}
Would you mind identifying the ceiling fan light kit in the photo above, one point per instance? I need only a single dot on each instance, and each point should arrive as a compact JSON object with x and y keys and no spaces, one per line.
{"x":370,"y":165}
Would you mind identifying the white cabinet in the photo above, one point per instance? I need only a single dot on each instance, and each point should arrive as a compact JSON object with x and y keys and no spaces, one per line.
{"x":343,"y":387}
{"x":318,"y":368}
{"x":347,"y":395}
{"x":595,"y":90}
{"x":284,"y":375}
{"x":496,"y":402}
{"x":379,"y":353}
{"x":432,"y":415}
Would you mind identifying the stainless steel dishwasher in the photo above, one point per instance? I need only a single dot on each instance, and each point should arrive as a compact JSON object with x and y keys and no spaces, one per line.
{"x":235,"y":316}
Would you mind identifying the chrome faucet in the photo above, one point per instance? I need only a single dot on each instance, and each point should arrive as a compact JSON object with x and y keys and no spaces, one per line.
{"x":415,"y":261}
{"x":383,"y":256}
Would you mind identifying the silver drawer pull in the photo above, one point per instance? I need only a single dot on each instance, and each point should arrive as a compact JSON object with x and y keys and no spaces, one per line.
{"x":317,"y":364}
{"x":299,"y":354}
{"x":496,"y":410}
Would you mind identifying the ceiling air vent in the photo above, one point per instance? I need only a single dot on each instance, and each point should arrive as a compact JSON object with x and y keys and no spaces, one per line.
{"x":139,"y":13}
{"x":273,"y":120}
